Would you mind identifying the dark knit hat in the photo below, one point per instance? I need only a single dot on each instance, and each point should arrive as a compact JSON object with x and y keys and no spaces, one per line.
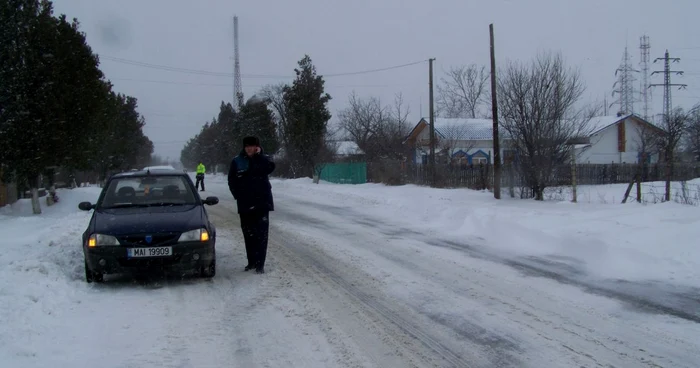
{"x":251,"y":141}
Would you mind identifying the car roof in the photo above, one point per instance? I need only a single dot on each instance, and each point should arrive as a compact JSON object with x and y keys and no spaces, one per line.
{"x":158,"y":172}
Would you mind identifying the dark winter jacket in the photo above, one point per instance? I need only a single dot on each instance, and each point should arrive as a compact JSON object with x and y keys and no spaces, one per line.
{"x":249,"y":183}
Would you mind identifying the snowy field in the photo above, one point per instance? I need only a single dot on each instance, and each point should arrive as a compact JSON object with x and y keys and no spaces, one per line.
{"x":372,"y":276}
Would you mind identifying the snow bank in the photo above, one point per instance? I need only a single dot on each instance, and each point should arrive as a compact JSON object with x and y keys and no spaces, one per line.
{"x":631,"y":241}
{"x":40,"y":256}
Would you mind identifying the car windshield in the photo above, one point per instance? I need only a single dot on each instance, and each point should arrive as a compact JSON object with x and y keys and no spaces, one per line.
{"x":146,"y":191}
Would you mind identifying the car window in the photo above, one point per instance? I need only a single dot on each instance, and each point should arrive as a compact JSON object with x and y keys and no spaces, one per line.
{"x":148,"y":190}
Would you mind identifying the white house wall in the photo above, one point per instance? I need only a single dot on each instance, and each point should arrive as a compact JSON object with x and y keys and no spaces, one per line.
{"x":604,"y":150}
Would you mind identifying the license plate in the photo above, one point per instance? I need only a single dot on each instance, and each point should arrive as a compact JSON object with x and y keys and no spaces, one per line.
{"x":149,"y":252}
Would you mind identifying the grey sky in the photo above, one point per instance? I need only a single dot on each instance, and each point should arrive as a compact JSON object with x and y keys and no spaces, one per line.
{"x":348,"y":36}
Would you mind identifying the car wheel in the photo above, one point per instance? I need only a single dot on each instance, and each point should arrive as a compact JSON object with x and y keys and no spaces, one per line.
{"x":88,"y":274}
{"x":210,"y":270}
{"x":92,"y":276}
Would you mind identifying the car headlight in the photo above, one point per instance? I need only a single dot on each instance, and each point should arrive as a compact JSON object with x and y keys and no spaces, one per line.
{"x":194,"y":235}
{"x":101,"y":240}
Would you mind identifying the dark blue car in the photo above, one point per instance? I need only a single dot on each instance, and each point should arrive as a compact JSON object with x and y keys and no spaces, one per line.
{"x":150,"y":219}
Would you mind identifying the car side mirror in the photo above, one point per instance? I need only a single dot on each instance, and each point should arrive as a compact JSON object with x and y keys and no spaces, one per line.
{"x":211,"y":201}
{"x":86,"y":206}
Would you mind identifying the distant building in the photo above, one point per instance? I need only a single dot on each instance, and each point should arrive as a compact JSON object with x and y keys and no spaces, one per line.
{"x":613,"y":139}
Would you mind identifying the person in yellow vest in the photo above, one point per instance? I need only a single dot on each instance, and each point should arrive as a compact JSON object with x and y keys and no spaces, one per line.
{"x":200,"y":176}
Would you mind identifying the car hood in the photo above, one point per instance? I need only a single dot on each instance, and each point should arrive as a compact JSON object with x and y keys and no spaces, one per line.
{"x":123,"y":221}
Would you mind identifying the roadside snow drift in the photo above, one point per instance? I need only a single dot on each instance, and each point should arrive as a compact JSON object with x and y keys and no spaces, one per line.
{"x":41,"y":263}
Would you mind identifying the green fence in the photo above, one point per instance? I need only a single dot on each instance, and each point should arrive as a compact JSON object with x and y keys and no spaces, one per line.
{"x":345,"y":173}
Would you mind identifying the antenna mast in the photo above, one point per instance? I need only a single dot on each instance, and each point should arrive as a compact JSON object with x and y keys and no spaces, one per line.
{"x":644,"y":48}
{"x":237,"y":88}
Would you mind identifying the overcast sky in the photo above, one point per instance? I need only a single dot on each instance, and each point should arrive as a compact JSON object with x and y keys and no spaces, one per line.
{"x":359,"y":35}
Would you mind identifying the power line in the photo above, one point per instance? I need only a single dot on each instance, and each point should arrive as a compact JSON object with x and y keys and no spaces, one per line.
{"x":247,"y":85}
{"x":375,"y":70}
{"x":230,"y":75}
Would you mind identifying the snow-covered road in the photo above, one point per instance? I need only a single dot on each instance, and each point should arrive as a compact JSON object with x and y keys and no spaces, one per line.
{"x":344,"y":288}
{"x":470,"y":309}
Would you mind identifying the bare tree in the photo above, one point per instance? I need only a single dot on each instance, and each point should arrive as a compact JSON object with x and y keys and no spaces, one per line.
{"x":693,"y":134}
{"x":273,"y":94}
{"x":537,"y":103}
{"x":396,"y":128}
{"x":462,"y":91}
{"x":377,"y":130}
{"x":452,"y":137}
{"x":674,"y":126}
{"x":647,"y":144}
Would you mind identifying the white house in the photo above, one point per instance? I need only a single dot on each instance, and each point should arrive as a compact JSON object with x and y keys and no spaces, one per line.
{"x":613,"y":139}
{"x":618,"y":139}
{"x":467,"y":141}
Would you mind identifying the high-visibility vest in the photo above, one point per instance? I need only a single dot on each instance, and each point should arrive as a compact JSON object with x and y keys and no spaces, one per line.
{"x":201,"y":169}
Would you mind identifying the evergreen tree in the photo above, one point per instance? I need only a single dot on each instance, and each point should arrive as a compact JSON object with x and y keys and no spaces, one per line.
{"x":49,"y":90}
{"x":258,"y":120}
{"x":228,"y":133}
{"x":307,"y":114}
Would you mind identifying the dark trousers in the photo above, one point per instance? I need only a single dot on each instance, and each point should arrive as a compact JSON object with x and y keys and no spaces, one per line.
{"x":255,"y":226}
{"x":200,"y":179}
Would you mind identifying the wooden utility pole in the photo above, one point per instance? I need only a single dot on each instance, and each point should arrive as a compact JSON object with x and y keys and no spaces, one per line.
{"x":573,"y":174}
{"x":494,"y":111}
{"x":572,"y":142}
{"x":432,"y":124}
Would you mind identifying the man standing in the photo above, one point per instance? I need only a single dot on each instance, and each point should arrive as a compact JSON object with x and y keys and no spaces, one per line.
{"x":200,"y":176}
{"x":249,"y":184}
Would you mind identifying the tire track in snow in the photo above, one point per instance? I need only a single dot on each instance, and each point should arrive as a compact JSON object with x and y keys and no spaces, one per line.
{"x":395,"y":329}
{"x":282,"y":291}
{"x":623,"y":350}
{"x":685,"y":305}
{"x":376,"y":305}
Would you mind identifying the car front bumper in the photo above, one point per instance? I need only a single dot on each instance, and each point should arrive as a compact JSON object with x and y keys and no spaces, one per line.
{"x":185,"y":256}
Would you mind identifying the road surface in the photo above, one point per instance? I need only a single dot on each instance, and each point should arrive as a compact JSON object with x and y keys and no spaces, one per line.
{"x":370,"y":293}
{"x":342,"y":289}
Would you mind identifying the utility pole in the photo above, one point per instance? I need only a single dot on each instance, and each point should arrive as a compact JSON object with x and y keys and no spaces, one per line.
{"x":667,"y":110}
{"x":573,"y":175}
{"x":432,"y":124}
{"x":494,"y":112}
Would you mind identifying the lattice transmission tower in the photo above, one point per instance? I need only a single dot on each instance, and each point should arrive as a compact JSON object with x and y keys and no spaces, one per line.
{"x":625,"y":85}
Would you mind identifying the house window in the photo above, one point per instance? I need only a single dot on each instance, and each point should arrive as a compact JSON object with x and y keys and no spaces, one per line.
{"x":478,"y":160}
{"x":424,"y":159}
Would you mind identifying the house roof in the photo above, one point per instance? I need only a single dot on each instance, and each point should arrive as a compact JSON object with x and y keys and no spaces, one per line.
{"x":463,"y":129}
{"x":598,"y":123}
{"x":346,"y":148}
